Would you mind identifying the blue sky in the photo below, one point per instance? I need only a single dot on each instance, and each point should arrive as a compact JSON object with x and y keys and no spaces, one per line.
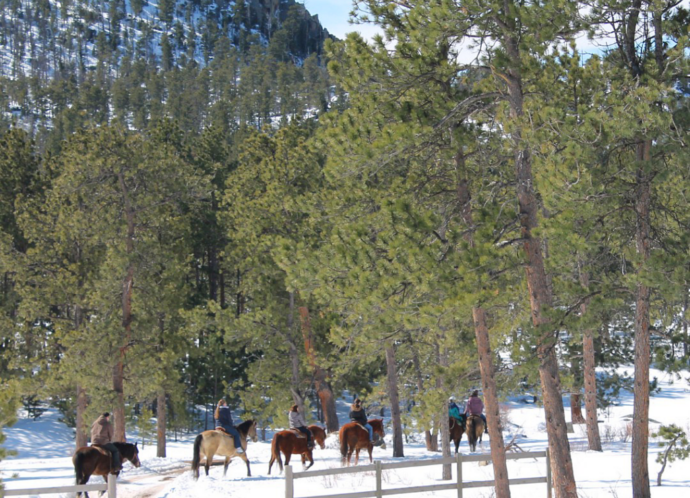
{"x":334,"y":16}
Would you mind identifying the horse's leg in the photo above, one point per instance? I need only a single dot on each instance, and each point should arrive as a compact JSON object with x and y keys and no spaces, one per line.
{"x":243,"y":456}
{"x":287,"y":457}
{"x":349,"y":455}
{"x":225,"y":465}
{"x":370,"y":449}
{"x":209,"y":461}
{"x":270,"y":463}
{"x":357,"y":456}
{"x":311,"y":459}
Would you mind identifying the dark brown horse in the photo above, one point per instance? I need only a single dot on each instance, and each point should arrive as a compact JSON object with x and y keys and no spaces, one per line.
{"x":208,"y":443}
{"x":95,"y":460}
{"x":456,"y":429}
{"x":474,"y":429}
{"x":354,"y":437}
{"x":291,"y":444}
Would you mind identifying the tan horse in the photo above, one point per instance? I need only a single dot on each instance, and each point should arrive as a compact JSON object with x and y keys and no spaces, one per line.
{"x":354,"y":437}
{"x":210,"y":443}
{"x":474,"y":428}
{"x":290,"y":444}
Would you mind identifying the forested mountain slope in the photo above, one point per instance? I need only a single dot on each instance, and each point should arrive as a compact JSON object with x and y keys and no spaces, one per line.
{"x":66,"y":63}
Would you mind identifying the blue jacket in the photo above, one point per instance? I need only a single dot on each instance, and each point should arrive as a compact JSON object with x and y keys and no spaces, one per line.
{"x":224,"y":419}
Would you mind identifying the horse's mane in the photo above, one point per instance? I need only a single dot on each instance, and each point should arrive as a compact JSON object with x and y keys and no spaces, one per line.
{"x":125,"y":449}
{"x":244,"y":426}
{"x":376,"y":423}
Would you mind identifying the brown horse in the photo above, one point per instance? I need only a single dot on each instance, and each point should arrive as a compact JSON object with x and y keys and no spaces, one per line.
{"x":211,"y":442}
{"x":456,"y":429}
{"x":290,"y":444}
{"x":95,"y":460}
{"x":474,"y":429}
{"x":354,"y":437}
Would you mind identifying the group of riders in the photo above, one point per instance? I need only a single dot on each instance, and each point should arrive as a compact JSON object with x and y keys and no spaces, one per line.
{"x":474,"y":406}
{"x":102,"y":429}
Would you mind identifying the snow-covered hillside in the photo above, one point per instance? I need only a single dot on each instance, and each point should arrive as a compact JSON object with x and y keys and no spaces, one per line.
{"x":43,"y":38}
{"x":44,"y":447}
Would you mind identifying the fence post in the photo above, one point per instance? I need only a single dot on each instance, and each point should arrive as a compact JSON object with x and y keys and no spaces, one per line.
{"x":379,"y":493}
{"x":549,"y":485}
{"x":112,"y":486}
{"x":458,"y":463}
{"x":289,"y":485}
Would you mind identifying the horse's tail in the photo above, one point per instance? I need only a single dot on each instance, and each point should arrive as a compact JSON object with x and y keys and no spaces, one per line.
{"x":197,"y":451}
{"x":275,"y":449}
{"x":343,"y":444}
{"x":78,"y":461}
{"x":471,"y":431}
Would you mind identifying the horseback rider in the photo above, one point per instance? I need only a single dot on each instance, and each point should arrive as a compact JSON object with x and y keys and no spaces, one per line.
{"x":102,"y":435}
{"x":297,"y":422}
{"x":357,"y":414}
{"x":454,"y":410}
{"x":475,"y":406}
{"x":223,"y":418}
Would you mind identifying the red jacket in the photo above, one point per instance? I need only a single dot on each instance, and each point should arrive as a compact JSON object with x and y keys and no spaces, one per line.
{"x":475,"y":406}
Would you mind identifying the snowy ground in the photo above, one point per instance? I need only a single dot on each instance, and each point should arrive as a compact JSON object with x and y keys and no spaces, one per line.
{"x":44,"y":448}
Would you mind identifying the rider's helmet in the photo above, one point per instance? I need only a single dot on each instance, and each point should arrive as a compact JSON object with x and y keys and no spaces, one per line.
{"x":451,"y":399}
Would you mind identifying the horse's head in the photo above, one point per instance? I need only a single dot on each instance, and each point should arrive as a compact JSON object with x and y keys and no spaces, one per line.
{"x":248,"y":430}
{"x":129,"y":452}
{"x":319,"y":435}
{"x":252,"y":432}
{"x":377,"y":426}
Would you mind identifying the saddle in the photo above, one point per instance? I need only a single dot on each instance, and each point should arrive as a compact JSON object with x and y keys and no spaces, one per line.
{"x":298,"y":433}
{"x":220,"y":429}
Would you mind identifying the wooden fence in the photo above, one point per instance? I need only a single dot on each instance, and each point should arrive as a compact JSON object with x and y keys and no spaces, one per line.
{"x":110,"y":487}
{"x":458,"y":485}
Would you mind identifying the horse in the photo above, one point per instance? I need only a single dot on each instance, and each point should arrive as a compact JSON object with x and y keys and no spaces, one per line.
{"x":354,"y":437}
{"x":95,"y":460}
{"x":290,"y":444}
{"x":474,"y":427}
{"x":211,"y":442}
{"x":456,"y":428}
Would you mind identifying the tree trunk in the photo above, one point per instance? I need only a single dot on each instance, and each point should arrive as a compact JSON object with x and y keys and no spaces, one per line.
{"x":119,"y":411}
{"x":493,"y":413}
{"x":81,"y":438}
{"x":420,"y":388}
{"x":447,"y":472}
{"x":433,"y":437}
{"x":127,"y":290}
{"x":539,"y":291}
{"x":591,"y":392}
{"x":486,"y":367}
{"x":590,"y":376}
{"x":295,"y":379}
{"x":392,"y":377}
{"x":576,"y":408}
{"x":575,"y":396}
{"x":323,"y":388}
{"x":160,"y":424}
{"x":640,"y":435}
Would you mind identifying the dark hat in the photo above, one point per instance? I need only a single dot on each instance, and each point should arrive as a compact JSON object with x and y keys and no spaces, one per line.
{"x":106,"y":414}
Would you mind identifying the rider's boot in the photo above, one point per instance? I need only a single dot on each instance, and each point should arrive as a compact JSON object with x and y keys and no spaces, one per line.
{"x":115,"y":463}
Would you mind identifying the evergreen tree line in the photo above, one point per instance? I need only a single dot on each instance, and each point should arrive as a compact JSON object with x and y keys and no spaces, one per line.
{"x":509,"y":223}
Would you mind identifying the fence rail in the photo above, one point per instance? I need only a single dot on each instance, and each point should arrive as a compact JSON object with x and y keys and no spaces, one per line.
{"x":110,"y":487}
{"x":378,"y":467}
